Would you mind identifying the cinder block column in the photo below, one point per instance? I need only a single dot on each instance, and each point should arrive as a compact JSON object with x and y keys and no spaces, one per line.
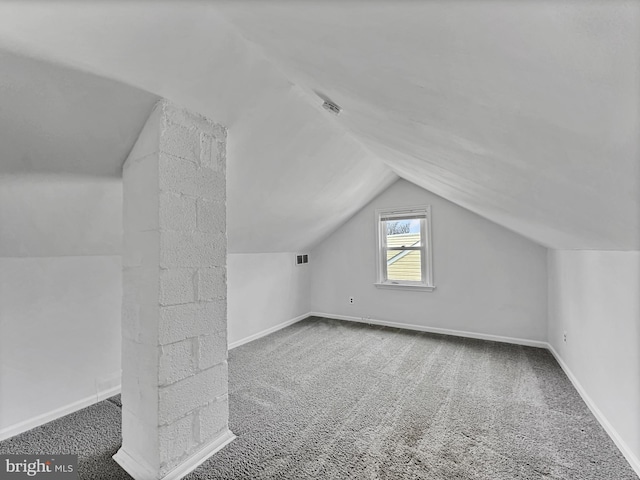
{"x":174,"y":319}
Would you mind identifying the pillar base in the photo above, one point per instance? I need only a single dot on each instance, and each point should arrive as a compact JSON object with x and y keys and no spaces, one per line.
{"x":141,"y":471}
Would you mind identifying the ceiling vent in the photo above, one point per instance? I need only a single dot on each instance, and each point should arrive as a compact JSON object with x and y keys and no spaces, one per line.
{"x":331,"y":107}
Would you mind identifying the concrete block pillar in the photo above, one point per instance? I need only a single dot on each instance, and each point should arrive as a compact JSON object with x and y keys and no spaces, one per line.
{"x":174,"y":315}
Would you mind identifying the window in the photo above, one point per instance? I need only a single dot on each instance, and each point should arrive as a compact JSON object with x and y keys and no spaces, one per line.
{"x":404,"y":248}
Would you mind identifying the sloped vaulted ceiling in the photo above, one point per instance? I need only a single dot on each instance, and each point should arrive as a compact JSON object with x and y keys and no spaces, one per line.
{"x":55,"y":120}
{"x":294,"y":175}
{"x":525,"y":112}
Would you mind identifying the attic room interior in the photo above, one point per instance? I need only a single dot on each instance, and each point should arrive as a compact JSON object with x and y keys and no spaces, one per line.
{"x":303,"y":240}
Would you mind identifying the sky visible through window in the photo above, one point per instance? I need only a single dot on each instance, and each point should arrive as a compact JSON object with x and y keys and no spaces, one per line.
{"x":414,"y":226}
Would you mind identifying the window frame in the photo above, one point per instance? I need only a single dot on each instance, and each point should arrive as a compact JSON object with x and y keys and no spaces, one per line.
{"x":426,"y":249}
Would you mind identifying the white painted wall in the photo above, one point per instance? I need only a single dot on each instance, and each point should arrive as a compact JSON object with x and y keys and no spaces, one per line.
{"x":60,"y":215}
{"x":264,"y":290}
{"x":489,"y":280}
{"x":61,"y":290}
{"x":594,"y":298}
{"x":60,"y":293}
{"x":59,"y":333}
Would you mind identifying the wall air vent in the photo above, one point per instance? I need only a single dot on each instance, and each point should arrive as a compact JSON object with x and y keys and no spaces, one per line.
{"x":302,"y":259}
{"x":331,"y":107}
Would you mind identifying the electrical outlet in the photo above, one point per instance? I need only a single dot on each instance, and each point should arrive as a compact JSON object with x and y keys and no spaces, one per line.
{"x":351,"y":300}
{"x":564,"y":337}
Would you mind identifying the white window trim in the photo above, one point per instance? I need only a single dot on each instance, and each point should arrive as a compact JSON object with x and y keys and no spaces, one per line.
{"x":426,"y":249}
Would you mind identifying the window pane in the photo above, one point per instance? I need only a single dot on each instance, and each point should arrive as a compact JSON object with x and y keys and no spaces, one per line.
{"x":404,"y":265}
{"x":403,"y":233}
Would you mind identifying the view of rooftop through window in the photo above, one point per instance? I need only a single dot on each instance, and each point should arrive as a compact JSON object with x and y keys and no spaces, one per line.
{"x":403,"y":242}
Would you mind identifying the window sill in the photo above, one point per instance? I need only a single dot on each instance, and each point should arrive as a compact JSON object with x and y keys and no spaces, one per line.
{"x":401,"y":286}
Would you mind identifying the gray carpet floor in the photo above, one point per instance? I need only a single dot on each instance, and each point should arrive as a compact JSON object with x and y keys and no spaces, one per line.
{"x":325,"y":399}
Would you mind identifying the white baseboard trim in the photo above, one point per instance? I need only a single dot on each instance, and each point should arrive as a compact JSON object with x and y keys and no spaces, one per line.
{"x":626,"y":451}
{"x":141,"y":471}
{"x":110,"y":392}
{"x":135,"y":468}
{"x":34,"y":422}
{"x":16,"y":429}
{"x":199,"y":457}
{"x":124,"y":459}
{"x":266,"y":332}
{"x":443,"y":331}
{"x":611,"y":431}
